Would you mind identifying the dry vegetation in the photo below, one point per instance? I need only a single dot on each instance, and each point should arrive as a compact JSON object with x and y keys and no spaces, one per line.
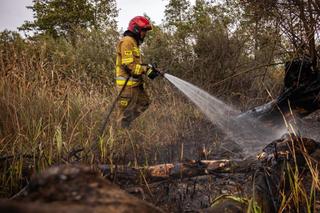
{"x":50,"y":106}
{"x":53,"y":96}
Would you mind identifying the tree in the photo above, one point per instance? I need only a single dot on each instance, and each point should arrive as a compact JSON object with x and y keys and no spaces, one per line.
{"x":176,"y":12}
{"x":298,"y":21}
{"x":177,"y":25}
{"x":105,"y":12}
{"x":62,"y":17}
{"x":217,"y":50}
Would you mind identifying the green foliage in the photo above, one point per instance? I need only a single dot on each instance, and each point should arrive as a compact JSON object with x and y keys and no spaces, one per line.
{"x":95,"y":53}
{"x":156,"y":48}
{"x":206,"y":43}
{"x":105,"y":12}
{"x":9,"y":37}
{"x":176,"y":12}
{"x":63,"y":17}
{"x":295,"y":20}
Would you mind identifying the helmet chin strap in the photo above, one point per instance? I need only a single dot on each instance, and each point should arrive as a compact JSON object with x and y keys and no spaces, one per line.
{"x":141,"y":40}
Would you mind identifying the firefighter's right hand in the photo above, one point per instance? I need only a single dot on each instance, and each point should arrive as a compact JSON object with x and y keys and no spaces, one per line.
{"x":152,"y":71}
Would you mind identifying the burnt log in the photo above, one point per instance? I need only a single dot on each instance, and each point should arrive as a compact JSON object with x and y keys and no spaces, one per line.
{"x":74,"y":188}
{"x":277,"y":164}
{"x":129,"y":175}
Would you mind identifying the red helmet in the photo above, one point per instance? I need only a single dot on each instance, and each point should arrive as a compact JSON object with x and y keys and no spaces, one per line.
{"x":139,"y":23}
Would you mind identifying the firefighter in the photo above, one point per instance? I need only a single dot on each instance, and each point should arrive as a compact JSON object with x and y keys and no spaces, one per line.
{"x":129,"y":71}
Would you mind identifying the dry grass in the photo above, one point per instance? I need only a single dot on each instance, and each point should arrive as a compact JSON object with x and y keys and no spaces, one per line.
{"x":47,"y":113}
{"x":300,"y":183}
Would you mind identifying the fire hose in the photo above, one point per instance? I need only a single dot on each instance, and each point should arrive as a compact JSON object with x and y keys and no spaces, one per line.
{"x":95,"y":145}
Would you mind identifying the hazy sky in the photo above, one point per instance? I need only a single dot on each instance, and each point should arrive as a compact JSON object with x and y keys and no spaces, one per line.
{"x":14,"y":12}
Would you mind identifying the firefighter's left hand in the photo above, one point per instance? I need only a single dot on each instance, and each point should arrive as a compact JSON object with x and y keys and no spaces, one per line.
{"x":153,"y":71}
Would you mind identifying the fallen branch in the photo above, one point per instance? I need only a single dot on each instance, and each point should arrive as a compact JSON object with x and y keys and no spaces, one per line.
{"x":178,"y":170}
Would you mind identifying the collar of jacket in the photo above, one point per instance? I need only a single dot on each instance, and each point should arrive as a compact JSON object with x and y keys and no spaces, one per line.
{"x":133,"y":35}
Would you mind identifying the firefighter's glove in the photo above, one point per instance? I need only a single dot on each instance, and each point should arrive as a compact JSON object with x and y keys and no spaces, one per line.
{"x":152,"y":71}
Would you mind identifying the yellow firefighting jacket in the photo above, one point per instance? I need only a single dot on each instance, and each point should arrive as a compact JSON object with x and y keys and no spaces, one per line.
{"x":129,"y":60}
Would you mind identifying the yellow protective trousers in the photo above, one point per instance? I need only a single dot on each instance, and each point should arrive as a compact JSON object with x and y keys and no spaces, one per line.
{"x":132,"y":102}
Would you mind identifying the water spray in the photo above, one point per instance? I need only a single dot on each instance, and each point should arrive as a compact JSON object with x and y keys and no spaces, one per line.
{"x":247,"y":132}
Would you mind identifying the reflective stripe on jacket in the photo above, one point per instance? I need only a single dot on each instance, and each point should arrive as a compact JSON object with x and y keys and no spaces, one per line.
{"x":129,"y":60}
{"x":120,"y":81}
